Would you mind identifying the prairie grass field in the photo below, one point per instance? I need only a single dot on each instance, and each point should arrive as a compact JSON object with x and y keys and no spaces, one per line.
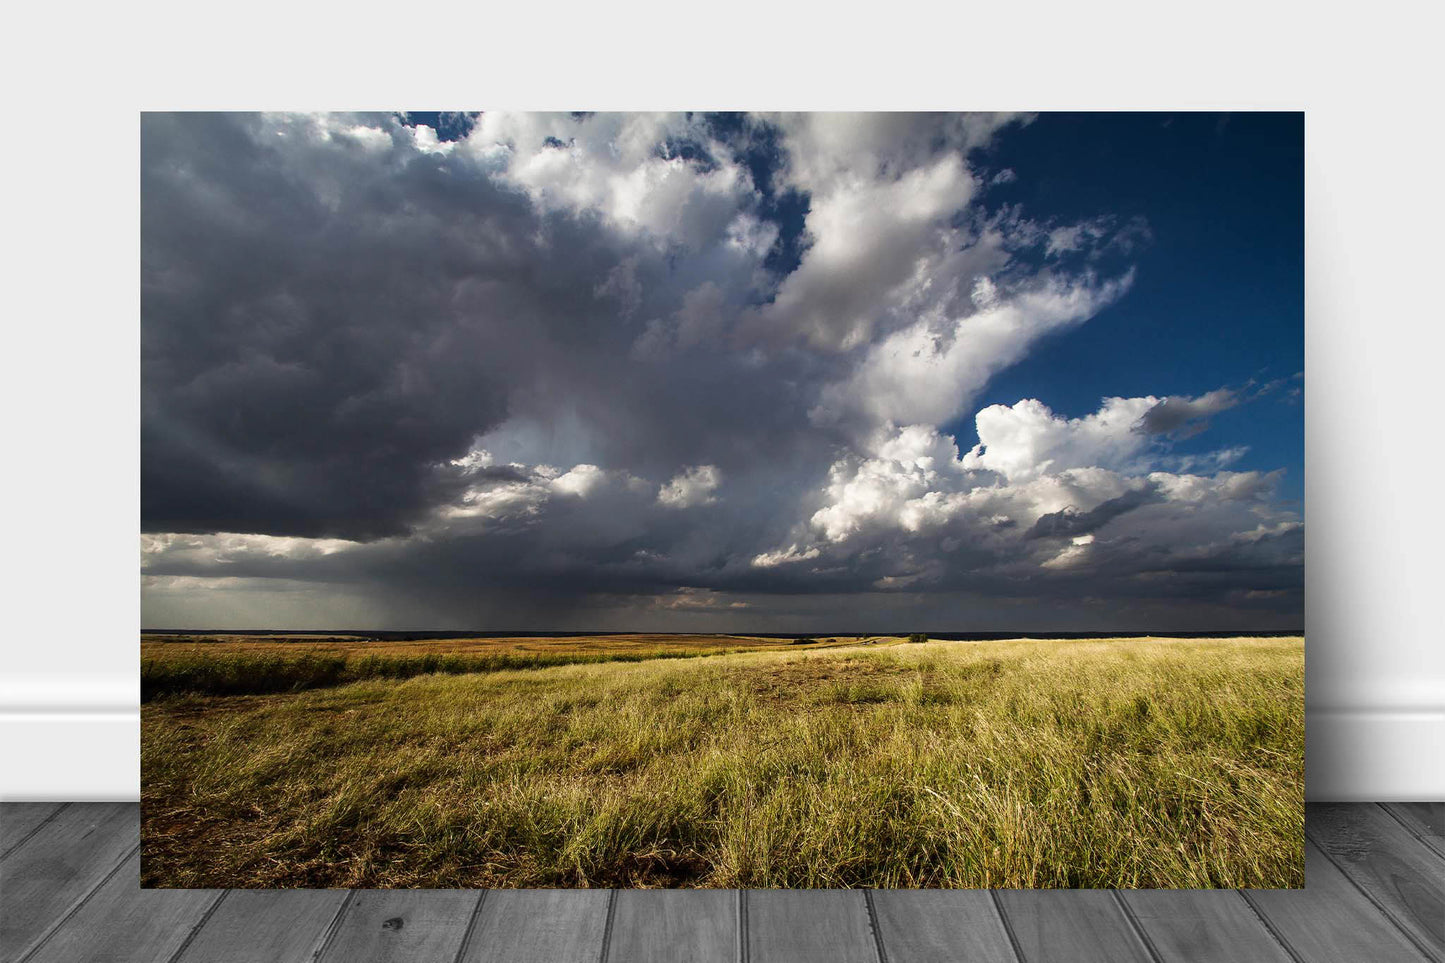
{"x":730,"y":761}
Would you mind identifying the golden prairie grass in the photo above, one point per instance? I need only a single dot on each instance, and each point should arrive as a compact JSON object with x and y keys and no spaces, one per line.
{"x":1118,"y":763}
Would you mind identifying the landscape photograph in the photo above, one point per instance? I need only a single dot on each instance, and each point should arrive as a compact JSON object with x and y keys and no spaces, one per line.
{"x":745,"y":500}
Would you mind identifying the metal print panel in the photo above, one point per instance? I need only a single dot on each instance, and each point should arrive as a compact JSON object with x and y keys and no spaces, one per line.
{"x":722,"y":500}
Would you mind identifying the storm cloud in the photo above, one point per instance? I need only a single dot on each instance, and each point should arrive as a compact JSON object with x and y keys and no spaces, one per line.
{"x":651,"y":371}
{"x":1071,"y":522}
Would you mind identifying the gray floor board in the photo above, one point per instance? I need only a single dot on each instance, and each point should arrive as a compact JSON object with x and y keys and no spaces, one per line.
{"x":402,"y":926}
{"x":1202,"y":926}
{"x":1426,"y":820}
{"x":1071,"y":926}
{"x":674,"y":926}
{"x":808,"y":926}
{"x":941,"y":926}
{"x":122,"y":923}
{"x":64,"y":861}
{"x":266,"y":926}
{"x":540,"y":926}
{"x":19,"y":820}
{"x":1390,"y":864}
{"x":1330,"y":920}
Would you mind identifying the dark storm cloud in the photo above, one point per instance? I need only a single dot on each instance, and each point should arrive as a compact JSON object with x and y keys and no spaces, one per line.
{"x":324,"y":324}
{"x":1185,"y":417}
{"x":557,"y":371}
{"x":1068,"y":522}
{"x":304,"y":369}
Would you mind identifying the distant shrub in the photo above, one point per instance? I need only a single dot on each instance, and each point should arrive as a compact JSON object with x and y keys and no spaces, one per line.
{"x":805,"y":640}
{"x":919,"y":637}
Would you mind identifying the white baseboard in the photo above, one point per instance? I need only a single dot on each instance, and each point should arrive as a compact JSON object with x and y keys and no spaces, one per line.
{"x":1389,"y":755}
{"x":1350,"y":754}
{"x":70,"y":755}
{"x":70,"y":736}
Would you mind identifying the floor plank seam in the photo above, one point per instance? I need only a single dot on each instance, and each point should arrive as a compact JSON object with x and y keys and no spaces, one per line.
{"x":37,"y":828}
{"x":874,"y":927}
{"x":743,"y":952}
{"x":1425,"y":951}
{"x":1008,"y":927}
{"x":334,"y":927}
{"x":1136,"y":927}
{"x":1425,"y":841}
{"x":471,"y":928}
{"x":76,"y":907}
{"x":1269,"y":927}
{"x":607,"y":927}
{"x":196,"y":929}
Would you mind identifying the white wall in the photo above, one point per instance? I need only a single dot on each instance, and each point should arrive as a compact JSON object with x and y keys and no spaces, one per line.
{"x":1376,"y":663}
{"x":1374,"y":658}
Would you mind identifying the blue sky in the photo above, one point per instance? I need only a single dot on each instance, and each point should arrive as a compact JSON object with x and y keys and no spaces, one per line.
{"x":767,"y":372}
{"x":1219,"y":297}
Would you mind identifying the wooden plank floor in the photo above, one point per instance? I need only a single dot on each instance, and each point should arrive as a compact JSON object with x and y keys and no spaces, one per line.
{"x":69,"y":891}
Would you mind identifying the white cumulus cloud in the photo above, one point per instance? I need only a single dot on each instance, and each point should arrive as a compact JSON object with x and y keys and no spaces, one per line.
{"x":695,"y":486}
